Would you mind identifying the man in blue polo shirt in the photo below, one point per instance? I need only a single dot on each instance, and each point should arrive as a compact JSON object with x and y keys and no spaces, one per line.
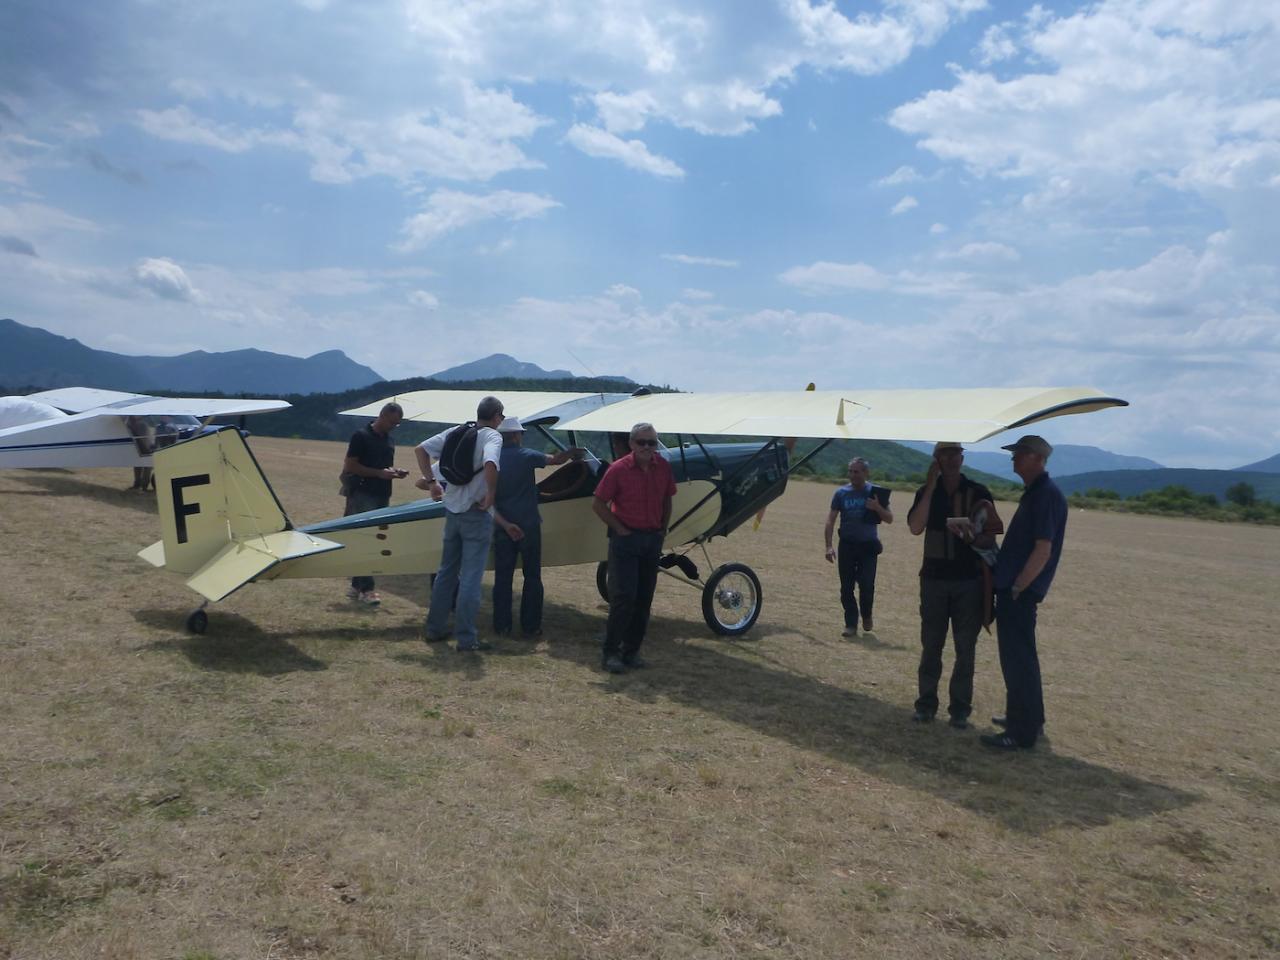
{"x":518,"y":528}
{"x":1025,"y":568}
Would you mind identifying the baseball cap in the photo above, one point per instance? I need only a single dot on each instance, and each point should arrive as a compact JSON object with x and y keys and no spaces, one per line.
{"x":511,"y":424}
{"x":947,"y":445}
{"x":1031,"y":444}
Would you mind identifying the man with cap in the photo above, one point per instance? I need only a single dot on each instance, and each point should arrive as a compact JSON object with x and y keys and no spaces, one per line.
{"x":518,"y":533}
{"x":951,"y":591}
{"x":1025,"y":568}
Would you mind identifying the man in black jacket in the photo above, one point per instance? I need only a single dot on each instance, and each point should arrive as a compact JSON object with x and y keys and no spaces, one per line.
{"x":368,"y":471}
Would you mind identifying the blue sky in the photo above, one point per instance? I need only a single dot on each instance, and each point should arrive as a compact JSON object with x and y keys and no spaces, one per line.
{"x":711,"y":194}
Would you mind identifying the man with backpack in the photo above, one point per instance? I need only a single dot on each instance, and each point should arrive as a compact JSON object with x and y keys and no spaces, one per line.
{"x":467,"y":456}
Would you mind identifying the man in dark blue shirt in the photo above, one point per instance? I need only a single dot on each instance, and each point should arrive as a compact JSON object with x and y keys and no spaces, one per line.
{"x":518,"y":533}
{"x":861,"y":507}
{"x":1025,"y":568}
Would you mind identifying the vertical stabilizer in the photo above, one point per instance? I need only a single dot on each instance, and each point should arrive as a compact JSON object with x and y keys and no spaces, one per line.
{"x":212,"y":492}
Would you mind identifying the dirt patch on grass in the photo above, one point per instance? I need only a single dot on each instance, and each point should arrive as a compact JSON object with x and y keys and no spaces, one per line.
{"x":310,"y":780}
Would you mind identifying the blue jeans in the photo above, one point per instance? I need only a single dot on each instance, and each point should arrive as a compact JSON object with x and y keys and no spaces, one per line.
{"x":466,"y":549}
{"x":505,"y":553}
{"x":1020,"y":664}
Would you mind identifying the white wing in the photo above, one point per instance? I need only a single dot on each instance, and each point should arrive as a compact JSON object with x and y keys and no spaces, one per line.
{"x":459,"y":406}
{"x":965,"y":416}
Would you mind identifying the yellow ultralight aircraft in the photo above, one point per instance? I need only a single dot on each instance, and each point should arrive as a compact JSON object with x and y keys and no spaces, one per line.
{"x":223,"y":526}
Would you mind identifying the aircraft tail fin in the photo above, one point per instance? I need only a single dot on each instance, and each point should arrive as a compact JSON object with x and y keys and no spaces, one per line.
{"x":212,"y":494}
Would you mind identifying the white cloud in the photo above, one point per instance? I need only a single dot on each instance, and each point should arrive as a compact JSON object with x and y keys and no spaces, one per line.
{"x":595,"y":142}
{"x":449,"y":210}
{"x":988,"y":251}
{"x":901,"y":175}
{"x":902,"y":206}
{"x":1179,"y":90}
{"x":425,"y":300}
{"x":996,"y":45}
{"x":164,"y":278}
{"x":620,"y":291}
{"x":694,"y":293}
{"x":938,"y":228}
{"x":700,"y":261}
{"x":824,"y":276}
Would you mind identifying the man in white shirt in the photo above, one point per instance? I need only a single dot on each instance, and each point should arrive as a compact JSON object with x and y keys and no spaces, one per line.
{"x":468,"y":528}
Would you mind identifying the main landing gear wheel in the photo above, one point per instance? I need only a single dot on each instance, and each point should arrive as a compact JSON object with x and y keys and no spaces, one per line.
{"x":197,"y":621}
{"x":731,"y":600}
{"x":602,"y":579}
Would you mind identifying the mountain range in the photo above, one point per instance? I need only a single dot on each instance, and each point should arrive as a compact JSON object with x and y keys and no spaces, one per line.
{"x":501,"y":366}
{"x":1067,"y":459}
{"x":31,"y":357}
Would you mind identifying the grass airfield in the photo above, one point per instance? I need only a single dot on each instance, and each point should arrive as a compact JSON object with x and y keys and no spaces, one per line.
{"x":310,"y":780}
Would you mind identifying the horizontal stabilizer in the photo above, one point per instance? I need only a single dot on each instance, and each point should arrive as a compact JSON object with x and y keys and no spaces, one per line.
{"x":153,"y":554}
{"x":241,"y":561}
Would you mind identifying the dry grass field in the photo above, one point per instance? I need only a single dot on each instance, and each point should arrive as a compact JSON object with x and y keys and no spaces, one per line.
{"x":309,"y":780}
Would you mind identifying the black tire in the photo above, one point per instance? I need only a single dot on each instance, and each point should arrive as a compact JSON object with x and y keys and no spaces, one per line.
{"x":197,"y":622}
{"x":602,"y":579}
{"x":731,"y":600}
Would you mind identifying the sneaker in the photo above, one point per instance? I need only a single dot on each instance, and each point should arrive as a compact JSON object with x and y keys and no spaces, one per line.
{"x":850,"y":631}
{"x":1001,"y":741}
{"x":431,"y":638}
{"x":921,"y":716}
{"x":636,"y":662}
{"x":615,"y":665}
{"x":370,"y":598}
{"x":866,"y":624}
{"x":478,"y":647}
{"x":960,"y":723}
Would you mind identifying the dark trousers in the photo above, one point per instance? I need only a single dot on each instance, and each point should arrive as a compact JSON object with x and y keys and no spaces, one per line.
{"x":954,"y":604}
{"x":359,"y":502}
{"x":1020,"y":664}
{"x":856,"y":560}
{"x":505,"y":554}
{"x":633,"y":575}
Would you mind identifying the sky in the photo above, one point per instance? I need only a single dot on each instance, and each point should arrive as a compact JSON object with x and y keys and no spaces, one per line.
{"x":711,"y":194}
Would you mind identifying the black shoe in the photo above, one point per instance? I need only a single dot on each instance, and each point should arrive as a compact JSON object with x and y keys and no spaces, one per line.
{"x":429,"y":638}
{"x":1003,"y":724}
{"x":921,"y":716}
{"x":635,"y":662}
{"x":531,"y":634}
{"x":866,"y":625}
{"x":479,"y":647}
{"x":960,"y":723}
{"x":1001,"y":741}
{"x":615,"y":665}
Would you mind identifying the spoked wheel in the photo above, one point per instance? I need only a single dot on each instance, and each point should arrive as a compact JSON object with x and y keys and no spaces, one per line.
{"x":731,"y":599}
{"x":197,"y":621}
{"x":602,"y":579}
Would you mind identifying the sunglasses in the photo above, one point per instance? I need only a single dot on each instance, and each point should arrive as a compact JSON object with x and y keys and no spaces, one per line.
{"x":645,"y":443}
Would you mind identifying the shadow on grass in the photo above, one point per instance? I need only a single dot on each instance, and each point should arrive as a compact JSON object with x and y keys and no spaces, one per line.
{"x":1029,"y":791}
{"x":57,"y":484}
{"x":235,"y":644}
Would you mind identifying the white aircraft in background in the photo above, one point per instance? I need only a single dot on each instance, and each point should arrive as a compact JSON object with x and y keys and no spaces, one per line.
{"x":86,"y":427}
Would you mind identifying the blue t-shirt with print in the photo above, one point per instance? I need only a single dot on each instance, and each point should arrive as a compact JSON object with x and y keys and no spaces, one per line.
{"x":856,"y":521}
{"x":517,"y":497}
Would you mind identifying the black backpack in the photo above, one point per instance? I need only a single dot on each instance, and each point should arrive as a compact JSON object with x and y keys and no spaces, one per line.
{"x":457,"y":459}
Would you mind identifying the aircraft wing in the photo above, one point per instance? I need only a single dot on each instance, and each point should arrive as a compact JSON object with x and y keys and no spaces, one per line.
{"x":963,"y":415}
{"x":115,"y":403}
{"x":240,"y":561}
{"x":459,"y":406}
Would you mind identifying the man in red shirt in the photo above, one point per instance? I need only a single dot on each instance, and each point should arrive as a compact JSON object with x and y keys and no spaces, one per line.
{"x":634,"y":501}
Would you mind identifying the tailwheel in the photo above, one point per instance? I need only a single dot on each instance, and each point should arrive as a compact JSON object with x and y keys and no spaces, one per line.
{"x":602,"y":579}
{"x":197,"y":621}
{"x":731,"y":599}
